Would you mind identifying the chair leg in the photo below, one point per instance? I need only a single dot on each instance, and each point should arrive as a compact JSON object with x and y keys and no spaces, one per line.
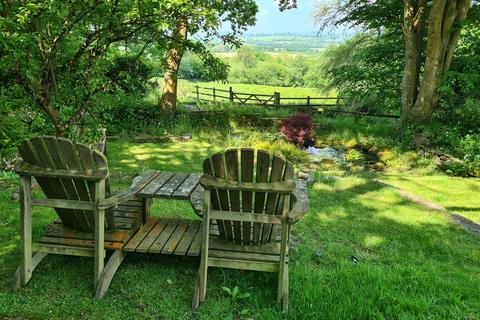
{"x":26,"y":266}
{"x":108,"y":272}
{"x":196,"y":294}
{"x":285,"y":291}
{"x":37,"y":257}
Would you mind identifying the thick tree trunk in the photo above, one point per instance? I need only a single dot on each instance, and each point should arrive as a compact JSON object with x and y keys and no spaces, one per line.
{"x":172,"y":64}
{"x":420,"y":99}
{"x":413,"y":31}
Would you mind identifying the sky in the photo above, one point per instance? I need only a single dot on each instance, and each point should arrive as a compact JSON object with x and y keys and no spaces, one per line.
{"x":271,"y":20}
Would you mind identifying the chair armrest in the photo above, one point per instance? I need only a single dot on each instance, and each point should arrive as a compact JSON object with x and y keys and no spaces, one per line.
{"x":209,"y":182}
{"x":25,"y":168}
{"x":116,"y":199}
{"x":301,"y":204}
{"x":137,"y":184}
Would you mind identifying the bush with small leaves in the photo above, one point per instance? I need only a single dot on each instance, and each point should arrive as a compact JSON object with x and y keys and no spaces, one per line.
{"x":298,"y":129}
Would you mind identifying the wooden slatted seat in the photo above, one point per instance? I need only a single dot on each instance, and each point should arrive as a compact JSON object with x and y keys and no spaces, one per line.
{"x":248,"y":208}
{"x":75,"y":181}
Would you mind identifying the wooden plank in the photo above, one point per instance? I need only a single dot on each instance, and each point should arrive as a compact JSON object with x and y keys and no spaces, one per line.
{"x":56,"y":157}
{"x":123,"y":214}
{"x":150,"y":189}
{"x":80,"y":243}
{"x":246,"y":169}
{"x":99,"y":258}
{"x":140,"y":235}
{"x":61,"y":231}
{"x":245,"y":256}
{"x":186,"y":188}
{"x":268,"y":248}
{"x":55,"y":189}
{"x":208,"y":169}
{"x":123,"y":208}
{"x":173,"y":241}
{"x":72,"y":161}
{"x":218,"y":165}
{"x":187,"y":238}
{"x":194,"y":249}
{"x":167,"y":190}
{"x":147,"y":242}
{"x":263,"y":164}
{"x":64,"y":250}
{"x":242,"y":216}
{"x":273,"y":198}
{"x":167,"y":232}
{"x":85,"y":156}
{"x":222,"y":184}
{"x":244,"y":265}
{"x":26,"y":229}
{"x":196,"y":200}
{"x":231,"y":161}
{"x":64,"y":204}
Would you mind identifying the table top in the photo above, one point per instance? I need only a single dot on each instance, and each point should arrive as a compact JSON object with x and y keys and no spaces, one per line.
{"x":172,"y":185}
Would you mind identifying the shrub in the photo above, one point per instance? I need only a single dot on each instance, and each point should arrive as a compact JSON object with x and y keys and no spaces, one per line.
{"x":298,"y":129}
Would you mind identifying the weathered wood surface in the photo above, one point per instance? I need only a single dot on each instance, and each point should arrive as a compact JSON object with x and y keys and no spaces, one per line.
{"x":299,"y":206}
{"x":170,"y":236}
{"x":247,"y":208}
{"x":126,"y":222}
{"x":172,"y":185}
{"x":168,"y":185}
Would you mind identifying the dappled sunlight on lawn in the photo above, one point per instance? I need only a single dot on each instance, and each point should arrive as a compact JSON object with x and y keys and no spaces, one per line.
{"x":373,"y":240}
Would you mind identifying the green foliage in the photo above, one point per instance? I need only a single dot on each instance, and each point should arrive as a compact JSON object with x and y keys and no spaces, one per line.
{"x":366,"y":70}
{"x":251,"y":66}
{"x":129,"y":73}
{"x":235,"y":294}
{"x":354,"y":156}
{"x":460,"y":97}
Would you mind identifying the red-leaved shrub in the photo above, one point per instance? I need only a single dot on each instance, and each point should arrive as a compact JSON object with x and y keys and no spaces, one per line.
{"x":298,"y":129}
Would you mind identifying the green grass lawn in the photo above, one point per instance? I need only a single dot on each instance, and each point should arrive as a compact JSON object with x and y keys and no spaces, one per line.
{"x":458,"y":195}
{"x":413,"y":264}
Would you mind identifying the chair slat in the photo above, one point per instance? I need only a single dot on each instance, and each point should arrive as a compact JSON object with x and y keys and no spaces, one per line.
{"x":246,"y":168}
{"x":231,"y":161}
{"x":218,"y":164}
{"x":58,"y":191}
{"x":86,"y":159}
{"x":263,"y":165}
{"x":58,"y":161}
{"x":273,"y":199}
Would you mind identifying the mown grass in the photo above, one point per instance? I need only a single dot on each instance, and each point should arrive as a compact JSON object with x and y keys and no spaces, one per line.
{"x":458,"y":195}
{"x":411,"y":264}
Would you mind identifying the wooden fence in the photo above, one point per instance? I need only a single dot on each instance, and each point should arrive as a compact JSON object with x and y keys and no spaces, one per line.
{"x":275,"y":100}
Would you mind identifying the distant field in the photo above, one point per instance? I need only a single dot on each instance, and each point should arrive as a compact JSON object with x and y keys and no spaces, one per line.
{"x":186,"y":89}
{"x":289,"y":43}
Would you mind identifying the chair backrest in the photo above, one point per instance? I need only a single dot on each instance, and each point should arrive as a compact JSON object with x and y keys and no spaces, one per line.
{"x":55,"y":154}
{"x":248,"y":165}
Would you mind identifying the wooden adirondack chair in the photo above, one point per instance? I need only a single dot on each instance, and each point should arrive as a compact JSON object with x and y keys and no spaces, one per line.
{"x":74,"y":179}
{"x":248,"y":208}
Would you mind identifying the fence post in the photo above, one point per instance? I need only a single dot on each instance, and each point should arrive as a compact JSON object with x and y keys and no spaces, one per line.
{"x":276,"y":99}
{"x":214,"y":97}
{"x":231,"y":94}
{"x":308,"y":101}
{"x":337,"y":102}
{"x":198,"y":94}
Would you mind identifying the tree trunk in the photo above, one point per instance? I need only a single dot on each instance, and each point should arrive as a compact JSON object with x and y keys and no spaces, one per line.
{"x":172,"y":64}
{"x":413,"y":31}
{"x":420,"y":99}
